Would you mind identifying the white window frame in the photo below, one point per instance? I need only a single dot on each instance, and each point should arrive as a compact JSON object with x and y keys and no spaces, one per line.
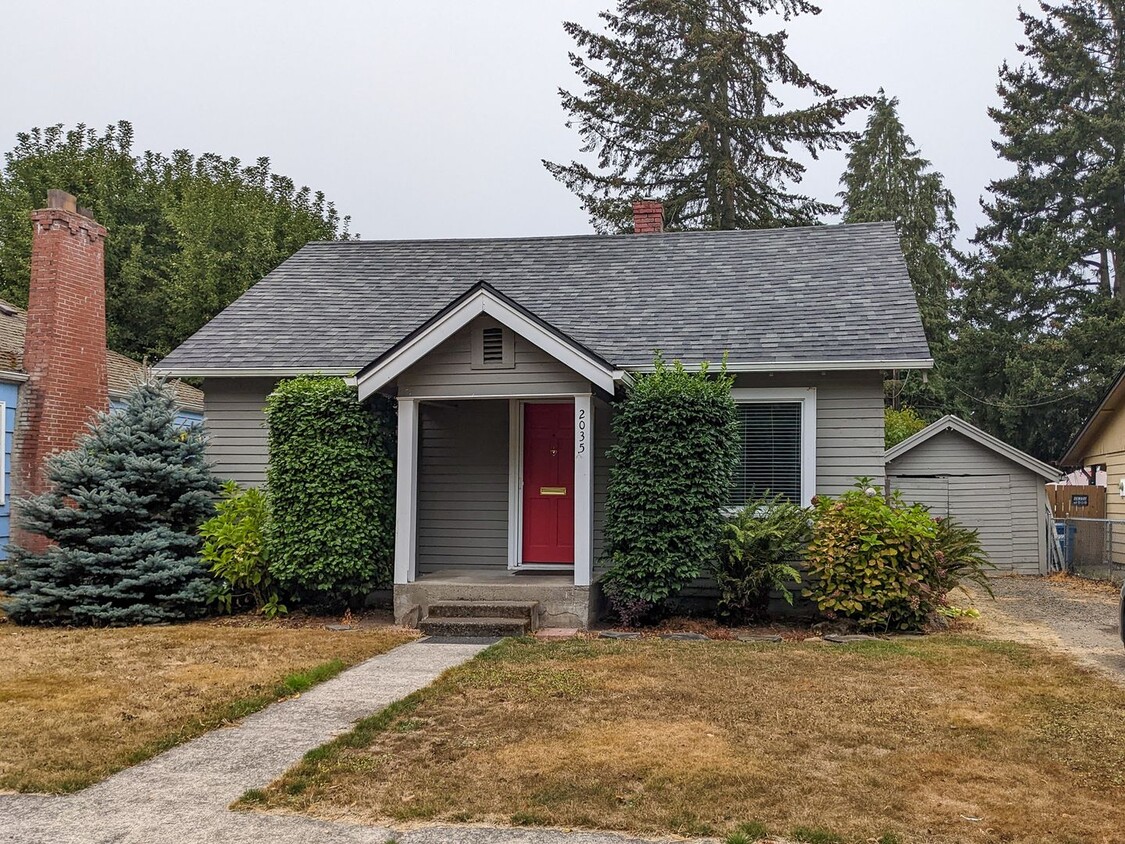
{"x":806,"y":397}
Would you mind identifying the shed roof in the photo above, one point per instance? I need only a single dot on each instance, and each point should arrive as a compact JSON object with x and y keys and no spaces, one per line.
{"x":960,"y":426}
{"x":824,"y":297}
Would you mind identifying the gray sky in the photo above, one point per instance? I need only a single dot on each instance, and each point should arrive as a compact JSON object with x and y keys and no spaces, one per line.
{"x":429,"y":119}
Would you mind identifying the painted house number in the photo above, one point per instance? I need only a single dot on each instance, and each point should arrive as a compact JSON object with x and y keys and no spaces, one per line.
{"x":580,"y":433}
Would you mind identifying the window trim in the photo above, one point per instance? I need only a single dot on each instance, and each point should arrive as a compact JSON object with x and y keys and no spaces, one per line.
{"x":806,"y":397}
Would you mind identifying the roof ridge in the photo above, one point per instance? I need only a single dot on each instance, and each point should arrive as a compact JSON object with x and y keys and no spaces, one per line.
{"x":621,"y":236}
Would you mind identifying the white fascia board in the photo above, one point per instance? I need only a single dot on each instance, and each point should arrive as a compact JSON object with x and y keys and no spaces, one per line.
{"x":12,"y":377}
{"x":809,"y":366}
{"x":251,"y":372}
{"x":482,"y":303}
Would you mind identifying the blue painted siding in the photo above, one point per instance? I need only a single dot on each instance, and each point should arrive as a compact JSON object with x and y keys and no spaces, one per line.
{"x":8,"y":394}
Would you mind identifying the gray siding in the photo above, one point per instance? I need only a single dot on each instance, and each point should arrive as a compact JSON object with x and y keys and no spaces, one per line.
{"x":849,"y":424}
{"x":957,"y":476}
{"x":463,"y":485}
{"x":234,"y":411}
{"x":447,"y":371}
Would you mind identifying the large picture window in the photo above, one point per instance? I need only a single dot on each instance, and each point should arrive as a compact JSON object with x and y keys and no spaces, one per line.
{"x":778,"y":445}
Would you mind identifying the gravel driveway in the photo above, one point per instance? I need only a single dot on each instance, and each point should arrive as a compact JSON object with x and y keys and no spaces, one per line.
{"x":1072,"y":615}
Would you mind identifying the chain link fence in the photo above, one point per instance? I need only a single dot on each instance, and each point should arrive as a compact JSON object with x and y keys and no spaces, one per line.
{"x":1093,"y":547}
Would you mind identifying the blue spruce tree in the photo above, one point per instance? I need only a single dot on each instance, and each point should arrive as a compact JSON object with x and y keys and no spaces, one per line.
{"x":122,"y":515}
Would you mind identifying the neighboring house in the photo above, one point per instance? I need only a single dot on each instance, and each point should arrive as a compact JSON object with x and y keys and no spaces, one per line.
{"x":958,"y":470}
{"x":504,"y":355}
{"x":1099,"y":448}
{"x":55,"y":370}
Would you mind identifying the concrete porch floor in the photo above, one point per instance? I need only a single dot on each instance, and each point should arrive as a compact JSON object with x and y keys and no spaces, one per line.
{"x":561,"y":603}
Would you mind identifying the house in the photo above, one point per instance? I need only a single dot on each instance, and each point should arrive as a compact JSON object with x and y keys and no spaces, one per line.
{"x":55,"y":369}
{"x":1099,"y":450}
{"x":958,"y":470}
{"x":504,"y":356}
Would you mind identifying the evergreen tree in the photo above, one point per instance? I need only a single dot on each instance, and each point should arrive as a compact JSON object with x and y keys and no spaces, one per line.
{"x":682,"y":102}
{"x":888,"y":180}
{"x":122,"y":515}
{"x":1041,"y":328}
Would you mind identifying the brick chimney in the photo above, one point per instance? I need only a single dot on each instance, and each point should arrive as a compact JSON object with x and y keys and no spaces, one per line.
{"x":64,"y":346}
{"x":648,"y":216}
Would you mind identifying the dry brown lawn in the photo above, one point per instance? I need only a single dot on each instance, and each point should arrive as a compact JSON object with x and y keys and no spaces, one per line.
{"x":77,"y":705}
{"x":945,"y":739}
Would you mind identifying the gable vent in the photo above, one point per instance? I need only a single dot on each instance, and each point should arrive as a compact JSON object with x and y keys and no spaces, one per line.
{"x":492,"y":345}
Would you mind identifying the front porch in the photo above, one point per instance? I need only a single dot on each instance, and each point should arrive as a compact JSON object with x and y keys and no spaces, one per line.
{"x":557,"y":601}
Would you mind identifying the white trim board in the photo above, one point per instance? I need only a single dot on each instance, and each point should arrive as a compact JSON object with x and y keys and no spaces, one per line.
{"x":479,"y":303}
{"x":806,"y":397}
{"x":809,"y":366}
{"x":960,"y":426}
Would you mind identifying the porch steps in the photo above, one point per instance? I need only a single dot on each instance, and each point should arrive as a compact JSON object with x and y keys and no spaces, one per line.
{"x":475,"y":619}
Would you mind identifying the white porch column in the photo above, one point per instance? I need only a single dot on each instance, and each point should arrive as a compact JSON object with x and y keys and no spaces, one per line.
{"x":406,"y":494}
{"x":583,"y":490}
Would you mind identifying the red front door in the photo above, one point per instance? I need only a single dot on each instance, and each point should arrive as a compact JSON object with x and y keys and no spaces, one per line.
{"x":548,"y":483}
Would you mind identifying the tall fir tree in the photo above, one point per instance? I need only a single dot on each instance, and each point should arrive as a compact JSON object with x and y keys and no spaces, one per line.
{"x":682,"y":102}
{"x":122,"y":516}
{"x":888,"y":180}
{"x":1042,"y":328}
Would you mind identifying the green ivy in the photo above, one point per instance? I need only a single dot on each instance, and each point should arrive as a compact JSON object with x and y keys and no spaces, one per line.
{"x":676,"y":439}
{"x":331,"y":482}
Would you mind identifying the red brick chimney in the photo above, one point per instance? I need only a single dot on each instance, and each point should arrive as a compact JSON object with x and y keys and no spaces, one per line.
{"x":648,"y":216}
{"x":64,"y":346}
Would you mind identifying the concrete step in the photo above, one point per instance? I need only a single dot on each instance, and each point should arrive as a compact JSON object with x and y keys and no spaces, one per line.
{"x":473,"y":628}
{"x":484,"y":609}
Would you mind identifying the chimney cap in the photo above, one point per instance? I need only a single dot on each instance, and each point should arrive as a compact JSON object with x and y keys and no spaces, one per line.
{"x":62,"y":200}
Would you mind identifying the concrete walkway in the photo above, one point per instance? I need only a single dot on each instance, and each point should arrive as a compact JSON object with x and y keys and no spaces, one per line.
{"x":181,"y":796}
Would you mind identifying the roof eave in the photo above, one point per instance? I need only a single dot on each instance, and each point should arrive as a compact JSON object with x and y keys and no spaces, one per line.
{"x":1074,"y":457}
{"x":814,"y":365}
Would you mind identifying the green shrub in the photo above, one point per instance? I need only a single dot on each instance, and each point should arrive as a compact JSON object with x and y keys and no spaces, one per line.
{"x":331,"y":482}
{"x":676,"y":439}
{"x":234,"y":545}
{"x":759,"y":545}
{"x":900,"y":424}
{"x":868,"y":559}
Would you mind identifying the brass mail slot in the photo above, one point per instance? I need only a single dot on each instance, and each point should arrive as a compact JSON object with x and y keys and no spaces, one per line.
{"x":552,"y":490}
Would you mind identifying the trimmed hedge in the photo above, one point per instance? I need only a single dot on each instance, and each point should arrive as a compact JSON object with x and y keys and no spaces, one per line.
{"x":332,"y":489}
{"x":673,"y":461}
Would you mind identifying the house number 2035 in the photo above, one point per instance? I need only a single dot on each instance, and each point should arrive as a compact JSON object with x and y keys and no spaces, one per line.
{"x":580,"y":432}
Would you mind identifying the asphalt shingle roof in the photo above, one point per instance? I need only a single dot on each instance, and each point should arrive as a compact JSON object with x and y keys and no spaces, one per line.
{"x":819,"y":294}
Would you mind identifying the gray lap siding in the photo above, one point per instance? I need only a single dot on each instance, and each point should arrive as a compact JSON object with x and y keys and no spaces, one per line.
{"x":237,"y":437}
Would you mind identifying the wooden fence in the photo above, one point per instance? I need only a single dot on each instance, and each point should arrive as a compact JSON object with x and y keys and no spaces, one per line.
{"x":1076,"y":502}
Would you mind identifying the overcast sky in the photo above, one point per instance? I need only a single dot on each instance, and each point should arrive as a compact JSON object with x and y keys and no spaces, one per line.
{"x":429,"y":118}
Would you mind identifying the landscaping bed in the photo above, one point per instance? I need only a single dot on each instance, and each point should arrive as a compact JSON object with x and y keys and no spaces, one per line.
{"x":79,"y":704}
{"x":947,"y":738}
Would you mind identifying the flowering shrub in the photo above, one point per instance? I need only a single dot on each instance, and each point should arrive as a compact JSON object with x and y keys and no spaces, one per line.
{"x":885,"y":564}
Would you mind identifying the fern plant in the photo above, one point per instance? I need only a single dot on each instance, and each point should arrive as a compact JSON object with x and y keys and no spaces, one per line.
{"x":757,"y":550}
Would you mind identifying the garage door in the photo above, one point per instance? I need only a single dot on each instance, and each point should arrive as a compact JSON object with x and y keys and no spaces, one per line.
{"x":982,"y":502}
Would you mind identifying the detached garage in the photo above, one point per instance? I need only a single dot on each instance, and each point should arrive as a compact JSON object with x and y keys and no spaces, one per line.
{"x":960,"y":471}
